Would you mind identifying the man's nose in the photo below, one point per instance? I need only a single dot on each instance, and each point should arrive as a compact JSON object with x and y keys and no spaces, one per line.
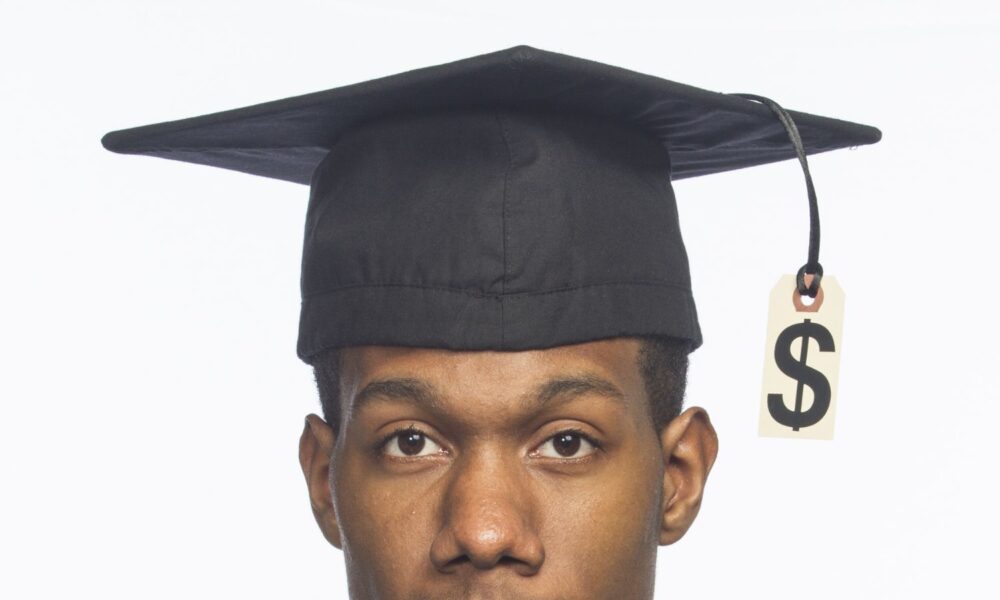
{"x":488,"y":517}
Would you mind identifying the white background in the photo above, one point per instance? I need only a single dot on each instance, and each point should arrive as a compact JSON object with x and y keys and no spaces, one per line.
{"x":152,"y":400}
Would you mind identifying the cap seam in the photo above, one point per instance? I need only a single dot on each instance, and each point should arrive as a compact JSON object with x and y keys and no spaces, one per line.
{"x":503,"y":218}
{"x":510,"y":295}
{"x":518,"y":72}
{"x":812,"y":149}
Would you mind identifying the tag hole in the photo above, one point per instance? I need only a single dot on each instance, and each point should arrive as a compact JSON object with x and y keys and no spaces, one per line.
{"x":804,"y":303}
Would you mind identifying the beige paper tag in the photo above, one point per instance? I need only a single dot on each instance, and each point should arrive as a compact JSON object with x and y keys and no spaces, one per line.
{"x":802,"y":361}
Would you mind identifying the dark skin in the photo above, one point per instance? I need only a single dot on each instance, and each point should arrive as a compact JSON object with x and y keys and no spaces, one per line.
{"x":534,"y":475}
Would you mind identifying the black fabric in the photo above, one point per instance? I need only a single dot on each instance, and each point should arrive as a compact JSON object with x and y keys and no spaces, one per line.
{"x":516,"y":200}
{"x":706,"y":132}
{"x":493,"y":229}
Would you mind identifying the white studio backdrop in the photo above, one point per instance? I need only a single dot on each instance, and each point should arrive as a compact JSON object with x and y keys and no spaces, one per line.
{"x":151,"y":400}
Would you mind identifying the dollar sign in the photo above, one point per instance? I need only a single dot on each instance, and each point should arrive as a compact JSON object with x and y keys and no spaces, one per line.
{"x":805,"y":375}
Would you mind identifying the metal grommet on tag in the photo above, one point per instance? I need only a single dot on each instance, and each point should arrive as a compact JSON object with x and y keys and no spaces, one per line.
{"x":817,"y":299}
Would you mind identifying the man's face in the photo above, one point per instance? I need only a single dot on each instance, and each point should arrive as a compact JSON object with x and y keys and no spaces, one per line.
{"x":533,"y":475}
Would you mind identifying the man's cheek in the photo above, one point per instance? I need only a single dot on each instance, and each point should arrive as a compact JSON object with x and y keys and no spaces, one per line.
{"x":600,"y":526}
{"x":388,"y":539}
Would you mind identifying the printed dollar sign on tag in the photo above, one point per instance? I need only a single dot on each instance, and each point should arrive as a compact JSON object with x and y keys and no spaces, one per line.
{"x":797,"y":369}
{"x":802,"y":361}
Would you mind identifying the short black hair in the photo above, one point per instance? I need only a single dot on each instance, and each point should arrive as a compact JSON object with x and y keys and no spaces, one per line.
{"x":662,"y":361}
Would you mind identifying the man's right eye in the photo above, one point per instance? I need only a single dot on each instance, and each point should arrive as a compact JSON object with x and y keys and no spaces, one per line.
{"x":409,"y":442}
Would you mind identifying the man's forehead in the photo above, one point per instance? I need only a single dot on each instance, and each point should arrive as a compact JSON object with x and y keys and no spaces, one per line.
{"x":615,"y":356}
{"x":607,"y":367}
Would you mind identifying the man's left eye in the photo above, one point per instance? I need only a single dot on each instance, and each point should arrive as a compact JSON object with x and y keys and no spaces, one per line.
{"x":567,"y":444}
{"x":410,"y":442}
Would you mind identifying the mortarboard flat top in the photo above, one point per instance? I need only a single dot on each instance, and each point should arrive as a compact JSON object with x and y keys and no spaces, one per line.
{"x":515,"y":200}
{"x":705,"y":132}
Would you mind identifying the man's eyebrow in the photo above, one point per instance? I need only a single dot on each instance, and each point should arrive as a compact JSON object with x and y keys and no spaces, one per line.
{"x":409,"y":390}
{"x":415,"y":391}
{"x":575,"y":385}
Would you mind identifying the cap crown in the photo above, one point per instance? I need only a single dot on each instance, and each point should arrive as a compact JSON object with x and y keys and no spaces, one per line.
{"x":493,"y":229}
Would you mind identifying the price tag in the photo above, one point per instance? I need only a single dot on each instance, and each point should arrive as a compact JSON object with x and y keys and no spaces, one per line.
{"x":802,"y":361}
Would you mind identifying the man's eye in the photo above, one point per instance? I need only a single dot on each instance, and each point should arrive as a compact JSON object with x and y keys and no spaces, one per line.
{"x":568,"y":444}
{"x":410,"y":442}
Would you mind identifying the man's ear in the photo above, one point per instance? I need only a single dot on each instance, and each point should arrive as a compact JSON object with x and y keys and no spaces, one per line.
{"x":690,"y":446}
{"x":315,"y":450}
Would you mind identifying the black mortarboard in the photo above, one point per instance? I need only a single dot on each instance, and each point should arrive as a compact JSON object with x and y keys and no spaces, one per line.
{"x":515,"y":200}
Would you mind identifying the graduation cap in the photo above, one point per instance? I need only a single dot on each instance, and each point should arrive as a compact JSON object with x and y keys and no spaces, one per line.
{"x":515,"y":200}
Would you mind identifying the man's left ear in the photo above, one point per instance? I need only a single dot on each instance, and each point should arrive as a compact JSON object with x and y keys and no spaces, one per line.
{"x":690,"y":446}
{"x":315,"y":450}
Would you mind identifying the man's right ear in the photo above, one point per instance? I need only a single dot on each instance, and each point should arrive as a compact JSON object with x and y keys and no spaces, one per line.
{"x":315,"y":450}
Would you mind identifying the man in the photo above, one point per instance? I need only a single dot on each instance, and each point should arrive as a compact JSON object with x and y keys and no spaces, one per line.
{"x":497,"y":306}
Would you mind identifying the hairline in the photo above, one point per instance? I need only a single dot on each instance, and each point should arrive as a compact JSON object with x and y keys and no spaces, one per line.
{"x":656,"y":353}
